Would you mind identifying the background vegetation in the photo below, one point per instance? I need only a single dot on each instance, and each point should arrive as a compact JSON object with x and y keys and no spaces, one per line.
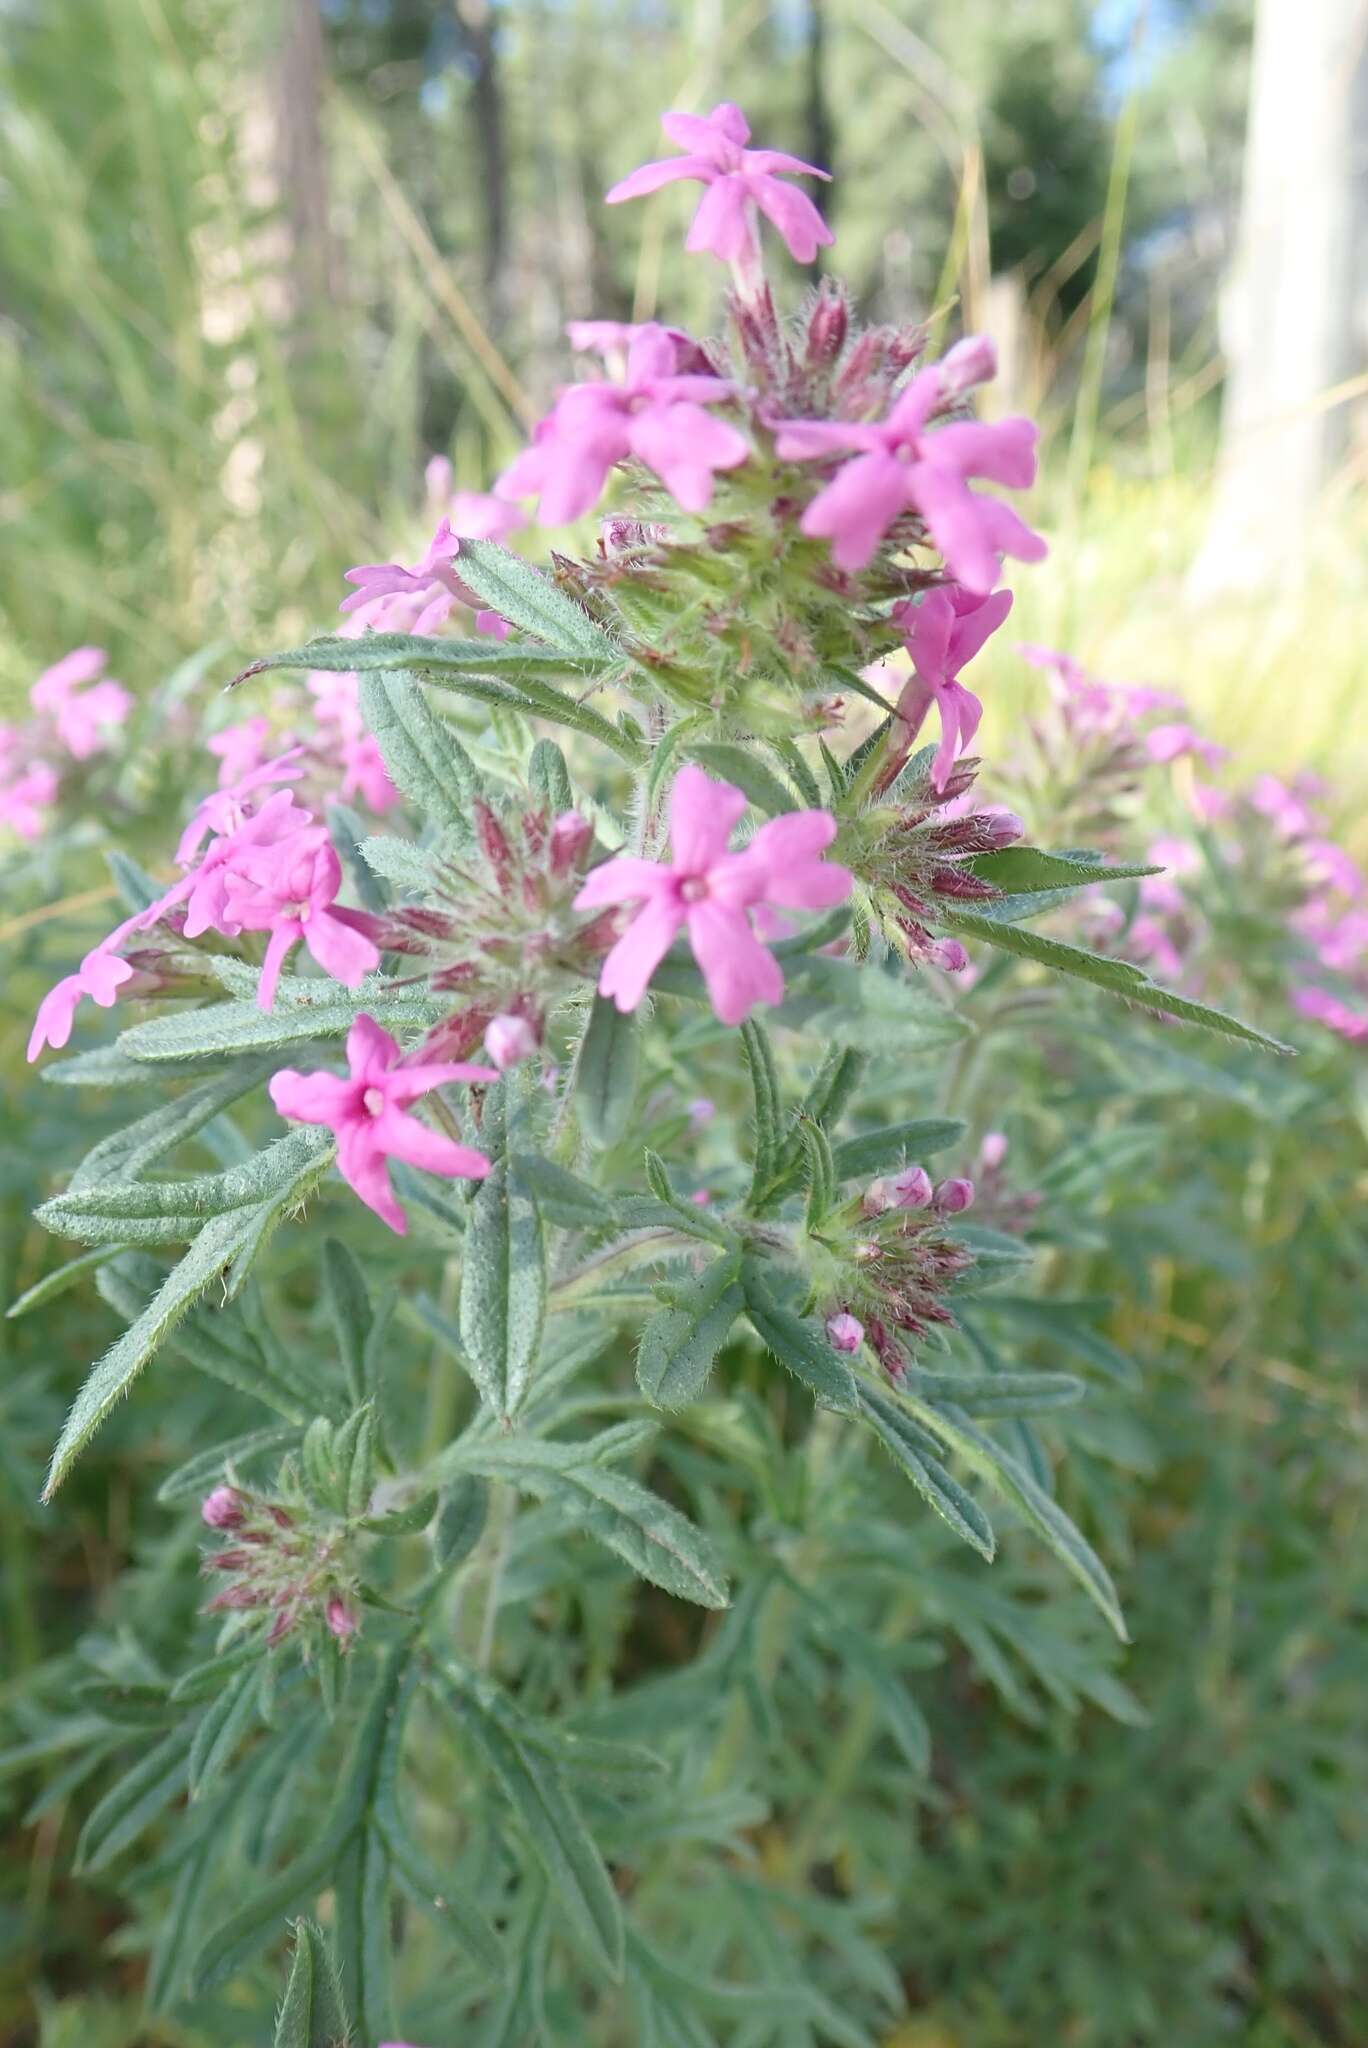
{"x":229,"y":343}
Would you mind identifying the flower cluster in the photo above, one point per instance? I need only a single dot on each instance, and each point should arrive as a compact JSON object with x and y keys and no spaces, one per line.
{"x":78,"y":710}
{"x":281,"y":1562}
{"x":894,"y":1263}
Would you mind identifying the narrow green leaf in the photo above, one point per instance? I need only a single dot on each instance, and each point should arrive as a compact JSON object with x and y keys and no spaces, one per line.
{"x":388,"y":653}
{"x":1118,"y":977}
{"x":527,"y":598}
{"x":738,"y":765}
{"x":138,"y":1798}
{"x":221,"y":1728}
{"x":239,"y":1026}
{"x":894,"y":1144}
{"x":162,"y":1209}
{"x":462,"y":1511}
{"x":1045,"y":1515}
{"x":1022,"y":870}
{"x":218,"y":1242}
{"x":425,"y":759}
{"x":349,"y":1309}
{"x":60,"y":1279}
{"x":503,"y":1287}
{"x":821,"y":1171}
{"x":548,"y":778}
{"x":999,"y":1393}
{"x":799,"y":1346}
{"x":312,"y":2014}
{"x":767,"y":1101}
{"x":606,"y":1073}
{"x":562,"y":1196}
{"x":553,"y":1825}
{"x":907,"y":1446}
{"x":127,"y":1154}
{"x":679,"y":1345}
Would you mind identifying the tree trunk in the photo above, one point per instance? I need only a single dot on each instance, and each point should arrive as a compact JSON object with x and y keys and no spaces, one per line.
{"x":301,"y":164}
{"x":476,"y":19}
{"x":1289,"y":314}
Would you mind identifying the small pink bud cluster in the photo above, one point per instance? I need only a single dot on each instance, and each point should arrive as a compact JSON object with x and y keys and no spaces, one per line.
{"x":900,"y":1263}
{"x":1000,"y":1204}
{"x":918,"y":858}
{"x":278,"y":1565}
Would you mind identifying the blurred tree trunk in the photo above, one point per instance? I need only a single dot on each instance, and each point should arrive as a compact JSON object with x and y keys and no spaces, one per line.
{"x":1289,"y":312}
{"x":301,"y":166}
{"x":476,"y":21}
{"x":821,"y":137}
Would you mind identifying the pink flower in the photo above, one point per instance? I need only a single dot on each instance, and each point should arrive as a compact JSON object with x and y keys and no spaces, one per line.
{"x":1318,"y":1003}
{"x":739,"y":183}
{"x":83,"y":717}
{"x":901,"y":467}
{"x":1329,"y":865}
{"x":431,"y":585}
{"x":366,"y":1111}
{"x":953,"y":1196}
{"x":1170,"y":742}
{"x":337,"y":706}
{"x":910,"y":1189}
{"x":654,"y":414}
{"x":289,"y":889}
{"x":943,"y":633}
{"x":241,"y":749}
{"x":99,"y":976}
{"x":845,"y":1332}
{"x":710,"y":892}
{"x":25,"y":801}
{"x":1282,"y":806}
{"x":993,"y":1150}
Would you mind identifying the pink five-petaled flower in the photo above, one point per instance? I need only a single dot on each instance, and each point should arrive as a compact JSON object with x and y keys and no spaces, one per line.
{"x":289,"y":889}
{"x":739,"y":182}
{"x":943,"y":633}
{"x":711,"y":892}
{"x":654,"y":414}
{"x":901,"y":466}
{"x":366,"y":1111}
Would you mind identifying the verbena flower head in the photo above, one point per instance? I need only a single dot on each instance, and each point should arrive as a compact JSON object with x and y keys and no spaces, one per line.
{"x":905,"y":464}
{"x":655,"y":414}
{"x":710,"y":892}
{"x":740,"y":182}
{"x":367,"y":1110}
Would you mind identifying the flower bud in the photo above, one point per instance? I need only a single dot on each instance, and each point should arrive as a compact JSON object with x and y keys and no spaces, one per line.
{"x":509,"y":1040}
{"x":700,"y":1198}
{"x":992,"y":1151}
{"x":951,"y":1196}
{"x":701,"y":1111}
{"x":1003,"y":827}
{"x":828,"y":325}
{"x":970,"y":362}
{"x":910,"y":1189}
{"x":222,"y":1509}
{"x":340,"y":1619}
{"x":569,"y":836}
{"x":844,"y":1332}
{"x":949,"y":955}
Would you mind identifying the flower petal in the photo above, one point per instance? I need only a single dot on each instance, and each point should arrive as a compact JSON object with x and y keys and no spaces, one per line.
{"x":362,"y":1165}
{"x":739,"y":971}
{"x":858,"y":506}
{"x":405,"y":1137}
{"x":649,"y":178}
{"x":624,"y":879}
{"x":703,"y":815}
{"x":371,"y":1052}
{"x":634,"y":959}
{"x":320,"y":1098}
{"x":340,"y":950}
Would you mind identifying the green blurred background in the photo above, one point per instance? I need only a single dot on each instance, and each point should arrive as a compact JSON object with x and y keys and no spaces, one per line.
{"x":261,"y":258}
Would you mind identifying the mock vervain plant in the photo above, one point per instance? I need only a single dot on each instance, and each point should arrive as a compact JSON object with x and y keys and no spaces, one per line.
{"x":634,"y":1035}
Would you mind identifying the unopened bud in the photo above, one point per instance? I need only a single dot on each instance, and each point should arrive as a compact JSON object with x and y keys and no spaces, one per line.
{"x":845,"y":1332}
{"x":509,"y":1040}
{"x":341,"y":1621}
{"x":992,"y":1151}
{"x":222,"y":1509}
{"x":700,"y":1198}
{"x":493,"y":841}
{"x":828,"y":325}
{"x":970,"y":362}
{"x":1003,"y":827}
{"x":701,"y":1111}
{"x":910,"y":1189}
{"x":951,"y":1196}
{"x":949,"y":955}
{"x":569,"y":836}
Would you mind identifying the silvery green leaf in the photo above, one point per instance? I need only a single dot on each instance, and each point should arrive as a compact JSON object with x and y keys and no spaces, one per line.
{"x":563,"y":1197}
{"x":868,"y":1007}
{"x":140,"y":1796}
{"x":312,"y":2014}
{"x":60,"y":1279}
{"x":503,"y":1287}
{"x":606,"y":1073}
{"x":998,"y":1393}
{"x":913,"y":1450}
{"x":127,"y":1153}
{"x":202,"y":1472}
{"x":679,"y":1345}
{"x":349,"y":1310}
{"x":799,"y":1345}
{"x":400,"y":863}
{"x":527,"y":598}
{"x":894,"y":1145}
{"x":327,"y":1012}
{"x":548,"y":778}
{"x":149,"y":1211}
{"x":425,"y":759}
{"x":744,"y":768}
